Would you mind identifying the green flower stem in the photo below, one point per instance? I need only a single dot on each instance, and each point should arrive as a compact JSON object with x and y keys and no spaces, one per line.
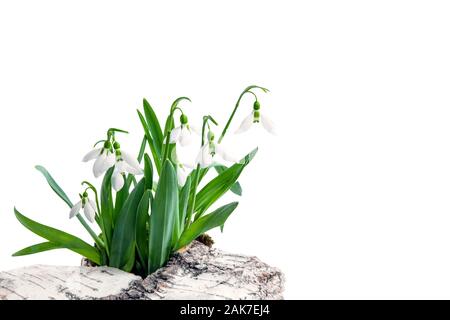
{"x":192,"y":203}
{"x":191,"y":207}
{"x":102,"y":223}
{"x":247,"y":90}
{"x":173,"y":108}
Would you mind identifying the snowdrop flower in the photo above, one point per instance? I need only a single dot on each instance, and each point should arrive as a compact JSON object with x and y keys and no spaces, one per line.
{"x":85,"y":204}
{"x":255,"y":117}
{"x":183,"y":133}
{"x":211,"y":149}
{"x":104,"y":158}
{"x":125,"y":163}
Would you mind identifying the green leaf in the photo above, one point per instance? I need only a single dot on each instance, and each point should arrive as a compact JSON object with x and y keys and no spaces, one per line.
{"x":142,"y":149}
{"x":179,"y":223}
{"x":121,"y":197}
{"x":162,"y":218}
{"x":142,"y":227}
{"x":220,"y":185}
{"x":153,"y":125}
{"x":40,"y":247}
{"x":184,"y":201}
{"x":107,"y":206}
{"x":55,"y":186}
{"x":148,"y":172}
{"x":59,"y":237}
{"x":156,"y":152}
{"x":214,"y":219}
{"x":124,"y":236}
{"x":236,"y":187}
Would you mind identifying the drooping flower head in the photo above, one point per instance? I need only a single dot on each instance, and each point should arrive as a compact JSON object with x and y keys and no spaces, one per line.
{"x":124,"y":163}
{"x":109,"y":155}
{"x":104,"y":158}
{"x":87,"y":205}
{"x":182,"y":134}
{"x":256,"y":117}
{"x":209,"y":150}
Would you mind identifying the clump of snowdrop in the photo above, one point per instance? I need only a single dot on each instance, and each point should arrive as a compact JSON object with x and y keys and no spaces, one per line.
{"x":143,"y":220}
{"x":85,"y":204}
{"x":256,"y":117}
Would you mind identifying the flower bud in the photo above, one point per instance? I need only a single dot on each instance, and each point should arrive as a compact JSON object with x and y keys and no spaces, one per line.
{"x":107,"y":145}
{"x":116,"y":145}
{"x":85,"y":194}
{"x":183,"y":119}
{"x":256,"y":105}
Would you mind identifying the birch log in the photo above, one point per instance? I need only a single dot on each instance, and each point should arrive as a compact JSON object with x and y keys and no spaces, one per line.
{"x":199,"y":272}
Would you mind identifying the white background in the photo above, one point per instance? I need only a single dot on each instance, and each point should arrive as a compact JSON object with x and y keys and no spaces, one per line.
{"x":351,"y":199}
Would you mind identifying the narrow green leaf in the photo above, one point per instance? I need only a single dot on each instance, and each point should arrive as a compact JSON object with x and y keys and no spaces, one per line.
{"x":55,"y":186}
{"x":220,"y":185}
{"x":107,"y":206}
{"x":142,"y":227}
{"x":153,"y":125}
{"x":214,"y":219}
{"x":156,"y":153}
{"x":142,"y":149}
{"x":121,"y":197}
{"x":236,"y":187}
{"x":59,"y":237}
{"x":180,"y":221}
{"x":148,"y":172}
{"x":162,"y":218}
{"x":184,"y":201}
{"x":124,"y":236}
{"x":40,"y":247}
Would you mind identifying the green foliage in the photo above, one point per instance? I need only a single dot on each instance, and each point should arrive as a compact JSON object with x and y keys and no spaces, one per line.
{"x":162,"y":218}
{"x":59,"y":238}
{"x":124,"y":237}
{"x":150,"y":217}
{"x":215,"y":219}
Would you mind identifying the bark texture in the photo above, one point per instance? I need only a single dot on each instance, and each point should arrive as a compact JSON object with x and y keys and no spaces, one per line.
{"x":199,"y":272}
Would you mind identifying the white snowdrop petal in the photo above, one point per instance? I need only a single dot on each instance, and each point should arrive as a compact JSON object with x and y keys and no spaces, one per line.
{"x":246,"y":124}
{"x":75,"y":209}
{"x":267,"y":124}
{"x":117,"y":181}
{"x":130,"y":160}
{"x":185,"y":137}
{"x":110,"y":160}
{"x":91,"y":155}
{"x":188,"y":165}
{"x":132,"y":170}
{"x":182,"y":176}
{"x":205,"y":157}
{"x":174,"y":134}
{"x":99,"y":164}
{"x":93,"y":205}
{"x":89,"y":212}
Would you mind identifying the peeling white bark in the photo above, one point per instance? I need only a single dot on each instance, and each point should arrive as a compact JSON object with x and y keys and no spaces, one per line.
{"x":199,"y":273}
